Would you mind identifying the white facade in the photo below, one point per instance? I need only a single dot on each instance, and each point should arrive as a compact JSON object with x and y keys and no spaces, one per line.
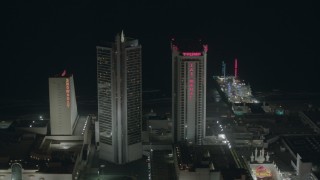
{"x":63,"y":105}
{"x":189,"y":71}
{"x":119,"y":100}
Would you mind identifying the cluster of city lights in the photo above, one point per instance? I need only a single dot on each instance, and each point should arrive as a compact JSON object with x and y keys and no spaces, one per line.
{"x":43,"y":157}
{"x":223,"y":136}
{"x":84,"y":127}
{"x":236,"y":90}
{"x":149,"y":164}
{"x":40,"y":118}
{"x":181,"y":166}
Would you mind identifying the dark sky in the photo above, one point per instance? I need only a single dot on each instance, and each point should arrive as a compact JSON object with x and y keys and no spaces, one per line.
{"x":277,"y":44}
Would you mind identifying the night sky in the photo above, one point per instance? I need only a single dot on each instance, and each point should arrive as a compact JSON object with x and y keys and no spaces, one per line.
{"x":277,"y":44}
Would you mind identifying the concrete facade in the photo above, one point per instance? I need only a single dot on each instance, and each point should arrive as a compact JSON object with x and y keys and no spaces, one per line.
{"x":63,"y":105}
{"x":189,"y":72}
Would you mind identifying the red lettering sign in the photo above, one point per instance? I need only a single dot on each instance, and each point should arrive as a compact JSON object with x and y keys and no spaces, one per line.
{"x":191,"y":53}
{"x":191,"y":81}
{"x":68,"y":92}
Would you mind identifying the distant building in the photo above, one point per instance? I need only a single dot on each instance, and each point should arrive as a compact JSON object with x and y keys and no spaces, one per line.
{"x":63,"y":105}
{"x":119,"y":100}
{"x":189,"y":71}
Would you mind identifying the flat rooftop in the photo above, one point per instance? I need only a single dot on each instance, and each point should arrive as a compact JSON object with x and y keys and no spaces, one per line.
{"x":16,"y":147}
{"x":308,"y":146}
{"x":200,"y":156}
{"x":100,"y":169}
{"x":314,"y":116}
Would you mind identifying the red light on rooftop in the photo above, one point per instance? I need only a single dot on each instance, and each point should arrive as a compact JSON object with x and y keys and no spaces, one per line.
{"x":205,"y":47}
{"x":63,"y":73}
{"x":174,"y":47}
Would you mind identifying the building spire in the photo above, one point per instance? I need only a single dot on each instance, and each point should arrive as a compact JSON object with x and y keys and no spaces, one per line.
{"x":122,"y":36}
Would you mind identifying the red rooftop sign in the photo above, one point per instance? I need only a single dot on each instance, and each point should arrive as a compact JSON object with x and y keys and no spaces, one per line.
{"x":191,"y":53}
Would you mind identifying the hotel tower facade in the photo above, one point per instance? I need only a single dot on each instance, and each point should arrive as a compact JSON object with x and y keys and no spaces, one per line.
{"x":63,"y":104}
{"x":189,"y":70}
{"x":119,"y":100}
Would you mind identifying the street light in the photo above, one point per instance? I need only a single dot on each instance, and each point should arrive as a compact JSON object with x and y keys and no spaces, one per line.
{"x":100,"y":169}
{"x":150,"y":127}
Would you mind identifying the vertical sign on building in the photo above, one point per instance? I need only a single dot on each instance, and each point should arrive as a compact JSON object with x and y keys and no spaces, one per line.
{"x":68,"y":92}
{"x":189,"y":61}
{"x":190,"y":109}
{"x":191,"y":81}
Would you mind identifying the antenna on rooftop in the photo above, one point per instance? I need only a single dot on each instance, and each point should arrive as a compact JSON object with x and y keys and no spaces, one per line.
{"x":224,"y":69}
{"x":236,"y":68}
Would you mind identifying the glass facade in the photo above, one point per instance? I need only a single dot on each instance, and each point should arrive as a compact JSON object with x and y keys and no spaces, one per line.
{"x":119,"y":99}
{"x":104,"y":70}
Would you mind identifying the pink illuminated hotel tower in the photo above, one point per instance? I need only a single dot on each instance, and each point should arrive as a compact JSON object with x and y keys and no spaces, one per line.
{"x":189,"y":69}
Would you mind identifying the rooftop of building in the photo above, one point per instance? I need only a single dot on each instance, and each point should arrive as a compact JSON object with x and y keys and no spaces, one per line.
{"x":12,"y":143}
{"x":193,"y":157}
{"x":188,"y":45}
{"x":128,"y":42}
{"x":212,"y":157}
{"x":35,"y":152}
{"x":101,"y":169}
{"x":314,"y":116}
{"x":307,"y":146}
{"x":63,"y":74}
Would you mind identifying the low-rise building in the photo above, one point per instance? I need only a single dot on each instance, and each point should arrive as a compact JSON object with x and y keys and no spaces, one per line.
{"x":312,"y":118}
{"x":305,"y":152}
{"x":206,"y":162}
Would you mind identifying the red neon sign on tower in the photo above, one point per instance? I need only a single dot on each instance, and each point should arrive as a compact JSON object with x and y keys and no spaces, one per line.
{"x":191,"y":80}
{"x":191,"y":53}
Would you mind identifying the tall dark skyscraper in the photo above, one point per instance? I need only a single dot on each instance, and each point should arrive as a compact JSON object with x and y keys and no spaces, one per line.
{"x":119,"y":100}
{"x":189,"y":70}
